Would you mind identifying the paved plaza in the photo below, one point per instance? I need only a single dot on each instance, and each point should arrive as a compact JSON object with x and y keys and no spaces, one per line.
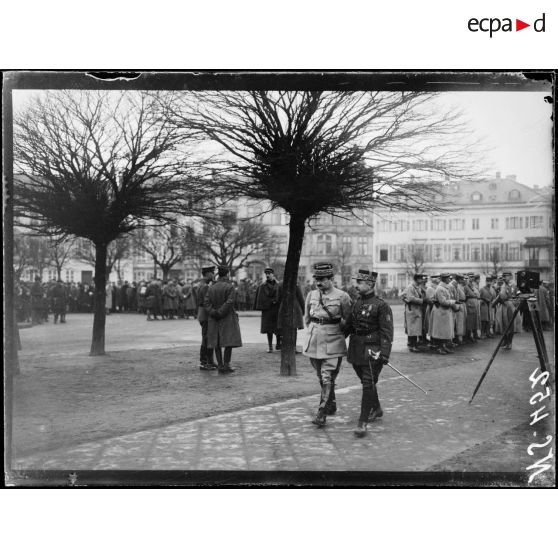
{"x":435,"y":432}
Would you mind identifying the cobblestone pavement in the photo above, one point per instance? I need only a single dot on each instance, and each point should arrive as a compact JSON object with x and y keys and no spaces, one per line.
{"x":416,"y":433}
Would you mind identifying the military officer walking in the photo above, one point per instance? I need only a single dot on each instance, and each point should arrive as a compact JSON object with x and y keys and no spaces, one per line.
{"x":327,"y":310}
{"x":371,"y":329}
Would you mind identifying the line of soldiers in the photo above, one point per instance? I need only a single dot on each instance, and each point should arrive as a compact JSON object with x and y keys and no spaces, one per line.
{"x":35,"y":302}
{"x":452,"y":310}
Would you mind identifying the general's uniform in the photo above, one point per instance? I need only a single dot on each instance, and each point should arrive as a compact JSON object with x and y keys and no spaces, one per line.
{"x":325,"y":316}
{"x":371,"y":327}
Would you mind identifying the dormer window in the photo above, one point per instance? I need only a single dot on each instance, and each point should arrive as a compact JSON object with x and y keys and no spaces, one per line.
{"x":514,"y":195}
{"x":476,"y":196}
{"x":493,"y":186}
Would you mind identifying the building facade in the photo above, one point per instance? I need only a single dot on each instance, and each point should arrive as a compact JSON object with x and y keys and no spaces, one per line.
{"x":489,"y":226}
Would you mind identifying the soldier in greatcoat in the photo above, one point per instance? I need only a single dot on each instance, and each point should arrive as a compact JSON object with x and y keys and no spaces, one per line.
{"x":472,"y":303}
{"x":543,"y":303}
{"x":430,"y":292}
{"x":503,"y":302}
{"x":486,"y":297}
{"x":206,"y":354}
{"x":371,"y":330}
{"x":460,"y":317}
{"x":223,"y":329}
{"x":327,"y":310}
{"x":442,"y":323}
{"x":414,"y":307}
{"x":268,"y":299}
{"x":58,"y":300}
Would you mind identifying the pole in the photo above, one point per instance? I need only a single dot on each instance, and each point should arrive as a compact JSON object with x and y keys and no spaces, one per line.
{"x":375,"y":357}
{"x":500,"y":343}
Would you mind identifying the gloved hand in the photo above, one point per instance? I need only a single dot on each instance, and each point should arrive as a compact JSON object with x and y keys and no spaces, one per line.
{"x":383,"y":359}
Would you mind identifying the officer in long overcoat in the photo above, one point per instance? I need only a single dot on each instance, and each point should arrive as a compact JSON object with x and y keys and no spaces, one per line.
{"x":430,"y":292}
{"x":442,"y":322}
{"x":206,"y":354}
{"x":486,"y":295}
{"x":507,"y":308}
{"x":327,"y":310}
{"x":460,"y":317}
{"x":223,"y":329}
{"x":371,"y":330}
{"x":268,"y":299}
{"x":414,"y":307}
{"x":58,"y":300}
{"x":472,"y":303}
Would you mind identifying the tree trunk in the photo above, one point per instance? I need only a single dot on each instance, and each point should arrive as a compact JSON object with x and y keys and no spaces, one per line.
{"x":290,"y":280}
{"x":99,"y":311}
{"x":165,"y":269}
{"x":59,"y":271}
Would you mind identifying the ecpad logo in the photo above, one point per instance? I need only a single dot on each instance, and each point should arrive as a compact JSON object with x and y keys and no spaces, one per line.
{"x":492,"y":25}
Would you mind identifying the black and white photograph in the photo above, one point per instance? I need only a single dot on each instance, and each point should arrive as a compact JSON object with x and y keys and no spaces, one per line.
{"x":279,"y":278}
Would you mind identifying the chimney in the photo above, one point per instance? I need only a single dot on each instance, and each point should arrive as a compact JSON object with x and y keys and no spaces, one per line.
{"x":498,"y":175}
{"x":512,"y":177}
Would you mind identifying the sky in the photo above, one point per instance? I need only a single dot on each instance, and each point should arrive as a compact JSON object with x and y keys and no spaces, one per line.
{"x":515,"y":129}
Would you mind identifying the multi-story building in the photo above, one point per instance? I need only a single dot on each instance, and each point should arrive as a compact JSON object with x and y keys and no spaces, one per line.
{"x":489,"y":226}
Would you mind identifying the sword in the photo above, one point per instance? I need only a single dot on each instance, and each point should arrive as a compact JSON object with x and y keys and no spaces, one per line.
{"x":375,"y":356}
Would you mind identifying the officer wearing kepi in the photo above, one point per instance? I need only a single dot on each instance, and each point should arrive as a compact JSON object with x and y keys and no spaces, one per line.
{"x":327,"y":310}
{"x":371,"y":329}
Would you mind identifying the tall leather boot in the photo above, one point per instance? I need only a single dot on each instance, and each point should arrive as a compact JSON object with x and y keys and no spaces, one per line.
{"x":377,"y":411}
{"x":227,"y":368}
{"x":320,"y":418}
{"x":331,"y":403}
{"x":366,"y":404}
{"x":219,"y":356}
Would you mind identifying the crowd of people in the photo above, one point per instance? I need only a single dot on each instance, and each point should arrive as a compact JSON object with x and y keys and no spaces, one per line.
{"x":445,"y":311}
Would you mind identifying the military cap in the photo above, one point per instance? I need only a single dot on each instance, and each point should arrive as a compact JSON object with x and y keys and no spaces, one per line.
{"x":322,"y":269}
{"x":366,"y":275}
{"x":436,"y":276}
{"x":208,"y":269}
{"x":506,"y":274}
{"x":459,"y":277}
{"x":222,"y":271}
{"x":490,"y":278}
{"x":269,"y":270}
{"x":444,"y":275}
{"x":418,"y":276}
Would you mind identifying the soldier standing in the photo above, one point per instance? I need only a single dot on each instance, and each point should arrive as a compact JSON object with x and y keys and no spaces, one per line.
{"x":206,"y":354}
{"x":371,"y":328}
{"x":268,"y":299}
{"x":472,"y":304}
{"x":327,"y":310}
{"x":414,"y":304}
{"x":58,"y":301}
{"x":37,"y":293}
{"x":442,"y":322}
{"x":507,"y":309}
{"x":486,"y":297}
{"x":430,"y":292}
{"x":223,"y":330}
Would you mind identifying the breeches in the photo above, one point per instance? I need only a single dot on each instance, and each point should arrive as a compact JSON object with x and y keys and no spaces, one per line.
{"x":367,"y":377}
{"x":326,"y":368}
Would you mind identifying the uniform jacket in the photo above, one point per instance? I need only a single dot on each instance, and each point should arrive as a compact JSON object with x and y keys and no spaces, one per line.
{"x":486,"y":296}
{"x":202,"y":292}
{"x":326,"y":341}
{"x":504,"y":305}
{"x":442,"y":322}
{"x":223,"y":329}
{"x":413,"y":309}
{"x":373,"y":314}
{"x":430,"y":292}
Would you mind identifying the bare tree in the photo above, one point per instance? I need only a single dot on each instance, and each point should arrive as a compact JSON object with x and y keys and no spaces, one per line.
{"x":61,"y":250}
{"x":31,"y":251}
{"x":163,"y":244}
{"x":229,"y":242}
{"x":414,"y":260}
{"x":96,"y":165}
{"x":494,"y":265}
{"x":117,"y":250}
{"x":310,"y":152}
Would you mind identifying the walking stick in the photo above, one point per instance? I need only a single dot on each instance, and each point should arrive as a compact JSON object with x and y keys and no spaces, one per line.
{"x":510,"y":325}
{"x":375,"y":356}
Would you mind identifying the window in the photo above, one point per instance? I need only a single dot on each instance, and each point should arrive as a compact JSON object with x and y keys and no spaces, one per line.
{"x":324,"y":244}
{"x":456,"y":224}
{"x":382,"y":226}
{"x":514,"y":222}
{"x":513,"y":251}
{"x":456,"y":252}
{"x":438,"y":224}
{"x":476,"y":252}
{"x":403,"y":225}
{"x":476,"y":224}
{"x":51,"y":274}
{"x":419,"y":225}
{"x":383,"y":254}
{"x":347,"y":244}
{"x":535,"y":221}
{"x":69,"y":274}
{"x":401,"y":252}
{"x":514,"y":195}
{"x":437,"y":252}
{"x":476,"y":197}
{"x":363,"y":246}
{"x":494,"y":223}
{"x":383,"y":280}
{"x":493,"y":186}
{"x":139,"y":276}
